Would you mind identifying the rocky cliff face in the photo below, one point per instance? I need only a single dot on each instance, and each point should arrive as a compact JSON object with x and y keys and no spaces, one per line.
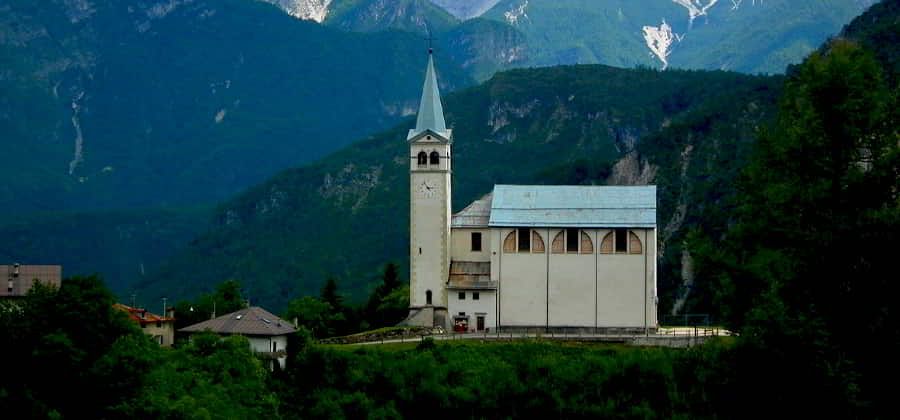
{"x":314,"y":10}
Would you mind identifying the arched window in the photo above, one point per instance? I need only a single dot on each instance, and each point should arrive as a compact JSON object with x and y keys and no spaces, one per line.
{"x":537,"y":242}
{"x":559,"y":243}
{"x":572,"y":241}
{"x":524,"y":241}
{"x":634,"y":245}
{"x":606,"y":245}
{"x":587,"y":246}
{"x":435,"y":158}
{"x":621,"y":241}
{"x":509,"y":244}
{"x":428,"y":297}
{"x":423,"y":158}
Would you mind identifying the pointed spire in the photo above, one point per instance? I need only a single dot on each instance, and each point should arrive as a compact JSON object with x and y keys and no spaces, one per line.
{"x":431,"y":113}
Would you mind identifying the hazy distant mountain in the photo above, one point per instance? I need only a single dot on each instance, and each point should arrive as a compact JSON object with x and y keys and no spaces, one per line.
{"x":743,"y":35}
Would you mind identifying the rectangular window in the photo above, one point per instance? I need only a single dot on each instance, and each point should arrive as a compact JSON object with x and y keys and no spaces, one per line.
{"x":524,"y":240}
{"x":274,"y":346}
{"x":621,"y":240}
{"x":462,"y":295}
{"x":476,"y":241}
{"x":572,"y":241}
{"x":475,"y":296}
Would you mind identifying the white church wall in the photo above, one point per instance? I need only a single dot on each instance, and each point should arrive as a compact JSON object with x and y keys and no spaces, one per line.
{"x":649,"y":237}
{"x":572,"y":287}
{"x":485,"y":305}
{"x":523,"y":287}
{"x":583,"y":290}
{"x":461,"y":245}
{"x":621,"y":287}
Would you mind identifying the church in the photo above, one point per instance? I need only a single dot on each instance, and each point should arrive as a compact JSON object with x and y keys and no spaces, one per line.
{"x":524,"y":257}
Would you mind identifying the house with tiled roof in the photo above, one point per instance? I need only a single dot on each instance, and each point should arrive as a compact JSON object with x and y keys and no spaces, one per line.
{"x":267,"y":333}
{"x":160,"y":327}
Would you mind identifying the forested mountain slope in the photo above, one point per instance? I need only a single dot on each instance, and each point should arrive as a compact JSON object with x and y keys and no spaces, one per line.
{"x":348,"y":214}
{"x":117,"y":104}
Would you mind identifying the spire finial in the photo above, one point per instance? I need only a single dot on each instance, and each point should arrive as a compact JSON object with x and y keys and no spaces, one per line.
{"x":430,"y":40}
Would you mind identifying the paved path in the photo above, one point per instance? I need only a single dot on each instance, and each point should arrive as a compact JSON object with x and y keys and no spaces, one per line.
{"x":671,"y":337}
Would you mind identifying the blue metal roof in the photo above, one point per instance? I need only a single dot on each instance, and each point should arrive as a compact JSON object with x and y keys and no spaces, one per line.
{"x":573,"y":206}
{"x":431,"y":112}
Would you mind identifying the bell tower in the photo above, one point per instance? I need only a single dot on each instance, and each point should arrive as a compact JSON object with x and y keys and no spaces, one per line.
{"x":430,"y":192}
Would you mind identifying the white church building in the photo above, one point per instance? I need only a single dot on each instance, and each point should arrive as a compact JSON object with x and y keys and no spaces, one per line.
{"x":524,"y":257}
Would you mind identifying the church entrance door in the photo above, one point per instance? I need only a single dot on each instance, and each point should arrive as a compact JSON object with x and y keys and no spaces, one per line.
{"x":480,"y":323}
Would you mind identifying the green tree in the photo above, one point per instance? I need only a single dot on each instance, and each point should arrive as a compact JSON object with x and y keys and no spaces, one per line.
{"x":59,"y":340}
{"x":208,"y":377}
{"x":383,"y":306}
{"x":390,"y":279}
{"x":225,"y":299}
{"x":315,"y":315}
{"x":330,"y":294}
{"x":805,"y":267}
{"x":394,"y":307}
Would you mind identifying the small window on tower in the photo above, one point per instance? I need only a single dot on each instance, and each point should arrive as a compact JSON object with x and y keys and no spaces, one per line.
{"x":476,"y":241}
{"x":435,"y":158}
{"x":422,"y":159}
{"x":524,"y":240}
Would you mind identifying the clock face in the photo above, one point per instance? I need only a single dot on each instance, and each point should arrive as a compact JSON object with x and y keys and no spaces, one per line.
{"x":426,"y":189}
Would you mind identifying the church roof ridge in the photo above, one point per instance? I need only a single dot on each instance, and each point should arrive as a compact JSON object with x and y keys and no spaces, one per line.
{"x":573,"y":206}
{"x":476,"y":214}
